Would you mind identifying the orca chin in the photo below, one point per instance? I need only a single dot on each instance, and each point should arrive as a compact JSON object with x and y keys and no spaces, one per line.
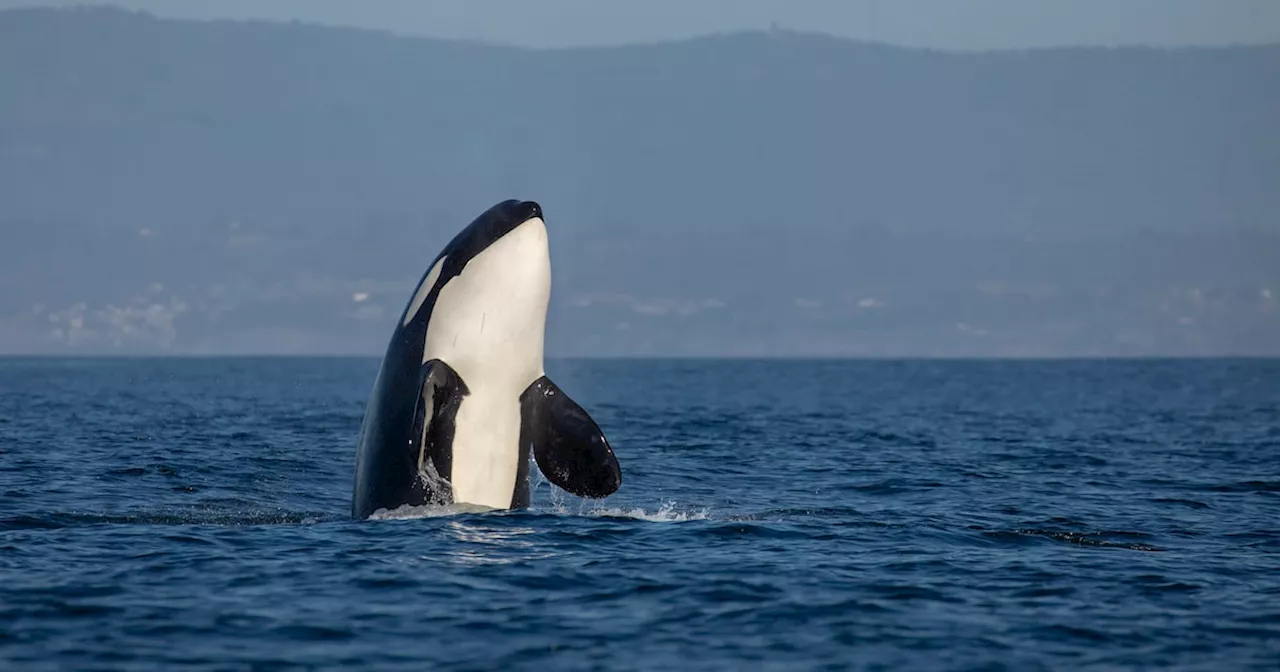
{"x":461,"y":401}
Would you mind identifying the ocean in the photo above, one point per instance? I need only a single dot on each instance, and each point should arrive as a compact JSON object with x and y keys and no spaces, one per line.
{"x":774,"y":515}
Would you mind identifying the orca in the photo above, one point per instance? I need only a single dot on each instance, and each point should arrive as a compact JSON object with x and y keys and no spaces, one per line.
{"x":461,"y":398}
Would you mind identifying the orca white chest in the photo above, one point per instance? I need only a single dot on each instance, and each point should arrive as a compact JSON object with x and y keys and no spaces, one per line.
{"x":486,"y":448}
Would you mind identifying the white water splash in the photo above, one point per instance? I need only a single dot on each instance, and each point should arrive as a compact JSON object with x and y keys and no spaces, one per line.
{"x":439,"y":487}
{"x":667,"y":513}
{"x":407,"y":512}
{"x":559,"y":503}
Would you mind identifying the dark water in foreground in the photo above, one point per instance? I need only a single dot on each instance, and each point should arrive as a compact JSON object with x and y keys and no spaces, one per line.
{"x":191,"y":514}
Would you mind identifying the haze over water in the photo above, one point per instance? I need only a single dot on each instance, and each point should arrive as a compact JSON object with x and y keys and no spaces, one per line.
{"x":185,"y":187}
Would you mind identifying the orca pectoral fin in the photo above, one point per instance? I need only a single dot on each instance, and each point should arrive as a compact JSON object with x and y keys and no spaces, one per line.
{"x":567,"y":444}
{"x":440,"y":394}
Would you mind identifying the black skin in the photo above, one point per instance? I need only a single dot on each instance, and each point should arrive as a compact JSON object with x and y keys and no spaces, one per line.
{"x":567,"y":444}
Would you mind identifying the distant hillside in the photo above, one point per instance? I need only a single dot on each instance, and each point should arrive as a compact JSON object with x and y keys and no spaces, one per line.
{"x":227,"y":186}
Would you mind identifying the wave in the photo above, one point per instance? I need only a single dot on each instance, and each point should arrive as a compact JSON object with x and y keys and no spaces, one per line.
{"x":54,"y":521}
{"x":409,"y":512}
{"x":666,"y":513}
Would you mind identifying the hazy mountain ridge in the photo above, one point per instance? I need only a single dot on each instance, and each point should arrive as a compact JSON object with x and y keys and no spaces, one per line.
{"x":746,"y":193}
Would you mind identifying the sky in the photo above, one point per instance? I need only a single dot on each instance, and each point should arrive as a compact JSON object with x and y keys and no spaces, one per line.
{"x":939,"y":24}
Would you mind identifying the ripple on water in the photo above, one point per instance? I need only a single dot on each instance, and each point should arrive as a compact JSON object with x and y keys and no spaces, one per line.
{"x":775,"y":515}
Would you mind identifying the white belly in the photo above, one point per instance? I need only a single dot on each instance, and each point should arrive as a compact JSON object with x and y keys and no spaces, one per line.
{"x":486,"y":445}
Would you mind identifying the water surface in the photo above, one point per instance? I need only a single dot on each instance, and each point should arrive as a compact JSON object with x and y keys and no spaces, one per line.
{"x":193,"y":514}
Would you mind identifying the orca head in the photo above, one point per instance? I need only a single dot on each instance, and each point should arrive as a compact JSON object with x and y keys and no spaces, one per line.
{"x":495,"y":225}
{"x":491,"y":227}
{"x":491,"y":285}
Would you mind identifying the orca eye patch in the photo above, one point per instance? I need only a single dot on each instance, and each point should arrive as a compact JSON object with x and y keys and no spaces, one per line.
{"x":433,"y":276}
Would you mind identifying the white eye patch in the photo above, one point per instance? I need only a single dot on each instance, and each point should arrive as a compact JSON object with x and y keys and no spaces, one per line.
{"x":423,"y":290}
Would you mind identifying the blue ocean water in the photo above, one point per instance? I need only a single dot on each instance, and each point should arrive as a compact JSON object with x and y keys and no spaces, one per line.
{"x":193,"y":514}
